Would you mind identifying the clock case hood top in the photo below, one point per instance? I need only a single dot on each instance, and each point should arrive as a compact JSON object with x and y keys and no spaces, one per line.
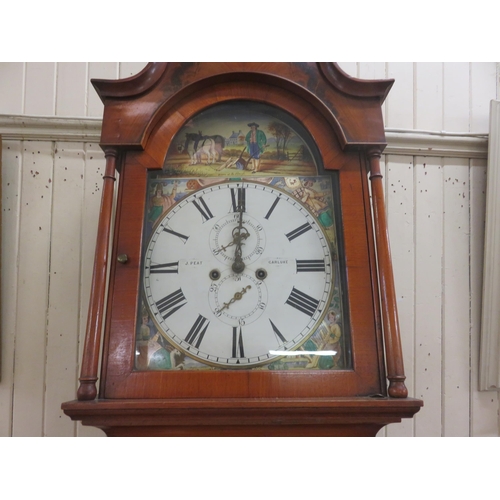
{"x":134,"y":106}
{"x":344,"y":117}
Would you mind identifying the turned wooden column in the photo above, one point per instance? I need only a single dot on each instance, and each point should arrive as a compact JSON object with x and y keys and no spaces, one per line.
{"x":392,"y":340}
{"x":90,"y":360}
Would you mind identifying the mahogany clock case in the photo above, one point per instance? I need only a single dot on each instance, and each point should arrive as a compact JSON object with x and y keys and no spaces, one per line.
{"x":341,"y":119}
{"x":120,"y":378}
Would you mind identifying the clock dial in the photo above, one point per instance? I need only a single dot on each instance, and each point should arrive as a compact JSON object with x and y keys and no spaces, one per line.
{"x":237,"y":273}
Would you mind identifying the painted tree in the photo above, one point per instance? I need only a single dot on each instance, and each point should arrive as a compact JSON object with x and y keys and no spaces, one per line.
{"x":282,"y":134}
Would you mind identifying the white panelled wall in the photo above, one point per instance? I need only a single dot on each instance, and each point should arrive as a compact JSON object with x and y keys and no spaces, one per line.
{"x":436,"y":118}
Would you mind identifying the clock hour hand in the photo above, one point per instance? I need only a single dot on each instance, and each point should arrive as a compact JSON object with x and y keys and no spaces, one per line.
{"x":237,"y":237}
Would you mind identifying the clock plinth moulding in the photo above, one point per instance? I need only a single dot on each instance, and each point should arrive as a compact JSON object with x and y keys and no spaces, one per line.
{"x":341,"y":120}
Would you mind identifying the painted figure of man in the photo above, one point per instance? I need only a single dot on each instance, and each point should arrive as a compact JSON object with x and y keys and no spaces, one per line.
{"x":326,"y":338}
{"x":256,"y":142}
{"x":160,"y":202}
{"x":316,"y":202}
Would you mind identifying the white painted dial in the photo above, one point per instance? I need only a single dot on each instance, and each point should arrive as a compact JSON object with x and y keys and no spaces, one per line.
{"x":236,"y":271}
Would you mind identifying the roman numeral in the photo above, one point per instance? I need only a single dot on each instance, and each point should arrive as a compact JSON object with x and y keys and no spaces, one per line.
{"x":195,"y":335}
{"x":179,"y":235}
{"x":273,"y":206}
{"x":171,"y":303}
{"x":238,"y":351}
{"x":297,"y":232}
{"x":169,"y":267}
{"x":277,"y":332}
{"x":310,"y":266}
{"x":302,"y":302}
{"x":238,"y":202}
{"x":204,"y":211}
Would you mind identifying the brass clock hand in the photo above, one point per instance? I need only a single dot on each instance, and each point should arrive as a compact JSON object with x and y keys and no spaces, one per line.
{"x":238,"y":264}
{"x":236,"y":238}
{"x":237,"y":296}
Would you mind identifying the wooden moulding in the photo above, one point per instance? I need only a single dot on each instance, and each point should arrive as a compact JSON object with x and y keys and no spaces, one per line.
{"x":243,"y":417}
{"x":134,"y":106}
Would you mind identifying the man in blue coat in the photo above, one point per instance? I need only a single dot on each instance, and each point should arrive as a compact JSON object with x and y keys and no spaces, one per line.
{"x":256,"y":142}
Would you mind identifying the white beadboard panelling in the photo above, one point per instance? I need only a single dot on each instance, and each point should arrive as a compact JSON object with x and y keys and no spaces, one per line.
{"x":104,"y":70}
{"x":33,"y":283}
{"x":484,"y":405}
{"x":400,"y":203}
{"x":374,"y":71}
{"x":428,"y":96}
{"x":428,"y":293}
{"x":399,"y":103}
{"x":40,"y":89}
{"x":128,"y":69}
{"x":351,"y":68}
{"x":438,"y":291}
{"x":71,"y":89}
{"x":433,"y":263}
{"x":456,"y":300}
{"x":12,"y":87}
{"x":484,"y":81}
{"x":64,"y":292}
{"x":456,"y":88}
{"x":11,"y":171}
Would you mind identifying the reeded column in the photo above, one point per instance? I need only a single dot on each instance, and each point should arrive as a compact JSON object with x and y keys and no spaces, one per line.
{"x":90,"y":360}
{"x":392,"y":339}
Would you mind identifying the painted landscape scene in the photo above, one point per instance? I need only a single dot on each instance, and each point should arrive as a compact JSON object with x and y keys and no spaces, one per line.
{"x":241,"y":139}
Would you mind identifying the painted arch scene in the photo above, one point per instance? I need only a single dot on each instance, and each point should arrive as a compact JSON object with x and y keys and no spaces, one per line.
{"x":241,"y":138}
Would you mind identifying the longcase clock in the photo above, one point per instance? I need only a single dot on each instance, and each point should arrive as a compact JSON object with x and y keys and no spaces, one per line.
{"x":248,"y":286}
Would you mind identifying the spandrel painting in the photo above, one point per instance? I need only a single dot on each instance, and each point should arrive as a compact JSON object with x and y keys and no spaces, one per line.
{"x":160,"y":347}
{"x":236,"y":138}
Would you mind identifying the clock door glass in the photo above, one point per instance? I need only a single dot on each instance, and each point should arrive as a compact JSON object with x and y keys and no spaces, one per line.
{"x":242,"y":253}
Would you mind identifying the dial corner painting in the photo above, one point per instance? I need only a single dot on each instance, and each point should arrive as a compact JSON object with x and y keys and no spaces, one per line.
{"x":241,"y":265}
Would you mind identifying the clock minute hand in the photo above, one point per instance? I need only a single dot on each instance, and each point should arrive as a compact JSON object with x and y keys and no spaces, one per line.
{"x":237,"y":296}
{"x":238,"y":264}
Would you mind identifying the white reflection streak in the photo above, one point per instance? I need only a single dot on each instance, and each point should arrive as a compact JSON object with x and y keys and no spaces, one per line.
{"x":301,"y":353}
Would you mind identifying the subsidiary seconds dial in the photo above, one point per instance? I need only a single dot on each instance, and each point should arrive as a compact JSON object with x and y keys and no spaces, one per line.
{"x":237,"y":273}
